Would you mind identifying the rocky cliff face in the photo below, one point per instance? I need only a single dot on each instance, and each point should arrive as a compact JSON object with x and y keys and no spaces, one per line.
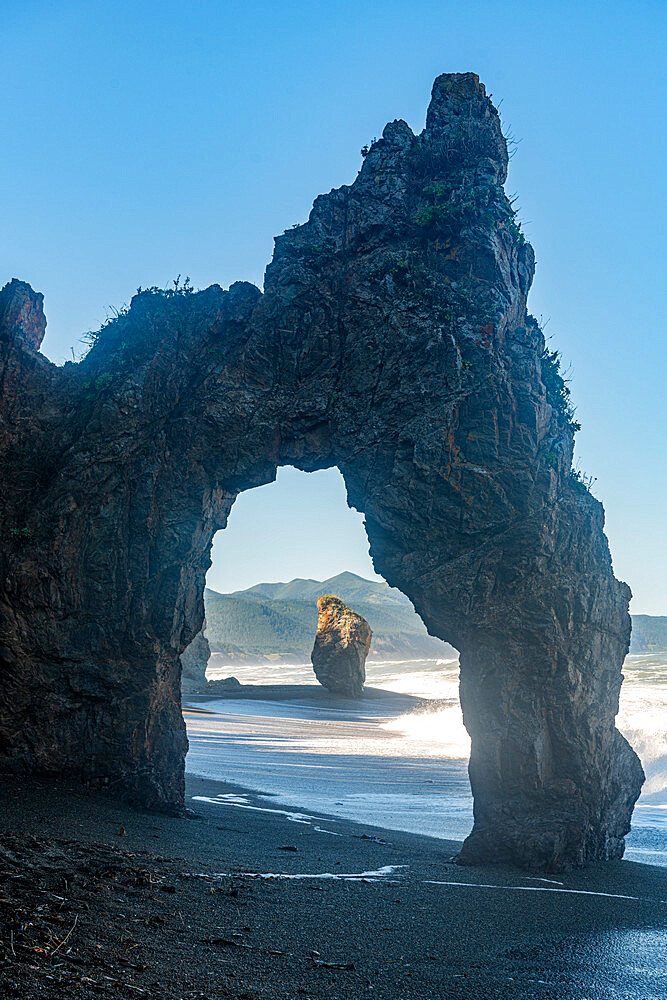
{"x":342,"y":643}
{"x":194,"y":659}
{"x":392,"y":340}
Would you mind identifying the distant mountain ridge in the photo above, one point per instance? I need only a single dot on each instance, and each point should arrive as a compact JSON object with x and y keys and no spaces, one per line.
{"x":353,"y":587}
{"x":276,"y":622}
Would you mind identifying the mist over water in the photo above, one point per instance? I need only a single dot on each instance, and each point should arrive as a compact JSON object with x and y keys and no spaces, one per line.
{"x":405,"y":769}
{"x":642,"y":719}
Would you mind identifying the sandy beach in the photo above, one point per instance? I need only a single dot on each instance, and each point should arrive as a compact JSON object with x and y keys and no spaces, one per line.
{"x":318,"y":862}
{"x":397,"y":757}
{"x":248,"y":903}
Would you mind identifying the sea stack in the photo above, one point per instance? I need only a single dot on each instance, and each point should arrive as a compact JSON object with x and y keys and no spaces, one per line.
{"x":342,"y":643}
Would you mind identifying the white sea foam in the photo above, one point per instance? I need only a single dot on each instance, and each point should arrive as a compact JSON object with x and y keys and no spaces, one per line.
{"x":642,"y":719}
{"x":370,"y":876}
{"x":404,"y":772}
{"x":243,"y":802}
{"x":542,"y":888}
{"x":441,"y":730}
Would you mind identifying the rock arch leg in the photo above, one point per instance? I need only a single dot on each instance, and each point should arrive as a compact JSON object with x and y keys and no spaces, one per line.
{"x":542,"y":628}
{"x":554,"y":785}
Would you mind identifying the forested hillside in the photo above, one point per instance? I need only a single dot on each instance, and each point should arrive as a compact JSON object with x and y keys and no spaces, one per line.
{"x":649,"y":634}
{"x":277,"y":621}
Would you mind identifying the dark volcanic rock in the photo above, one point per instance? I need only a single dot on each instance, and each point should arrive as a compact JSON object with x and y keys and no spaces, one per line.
{"x":194,"y":659}
{"x":224,"y":685}
{"x":342,"y":643}
{"x":392,"y":341}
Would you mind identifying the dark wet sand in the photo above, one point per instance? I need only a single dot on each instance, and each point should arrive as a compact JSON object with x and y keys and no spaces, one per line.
{"x":379,"y":698}
{"x":151,"y":926}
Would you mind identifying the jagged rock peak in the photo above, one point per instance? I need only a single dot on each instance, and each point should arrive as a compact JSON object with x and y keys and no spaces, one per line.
{"x":342,"y":643}
{"x":462,"y":121}
{"x":22,"y":313}
{"x":454,"y":93}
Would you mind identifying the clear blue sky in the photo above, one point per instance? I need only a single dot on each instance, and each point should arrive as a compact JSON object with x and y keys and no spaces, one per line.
{"x":142,"y":140}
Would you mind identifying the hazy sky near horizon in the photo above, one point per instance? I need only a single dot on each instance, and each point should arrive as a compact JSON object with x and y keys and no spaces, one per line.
{"x":142,"y":140}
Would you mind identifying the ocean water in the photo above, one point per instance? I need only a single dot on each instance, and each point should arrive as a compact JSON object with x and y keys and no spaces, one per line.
{"x":387,"y":762}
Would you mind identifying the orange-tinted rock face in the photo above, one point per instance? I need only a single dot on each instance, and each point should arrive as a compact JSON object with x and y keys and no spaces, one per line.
{"x":392,"y":341}
{"x":22,"y":312}
{"x":342,"y":643}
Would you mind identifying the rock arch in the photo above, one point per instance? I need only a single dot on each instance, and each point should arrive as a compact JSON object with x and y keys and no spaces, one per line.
{"x":392,"y":341}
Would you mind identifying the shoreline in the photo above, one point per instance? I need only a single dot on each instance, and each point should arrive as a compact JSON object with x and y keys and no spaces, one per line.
{"x":345,"y":757}
{"x":373,"y":912}
{"x":255,"y":735}
{"x":315,"y":693}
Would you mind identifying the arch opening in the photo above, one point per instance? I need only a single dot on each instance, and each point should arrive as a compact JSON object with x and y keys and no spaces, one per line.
{"x":396,"y":757}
